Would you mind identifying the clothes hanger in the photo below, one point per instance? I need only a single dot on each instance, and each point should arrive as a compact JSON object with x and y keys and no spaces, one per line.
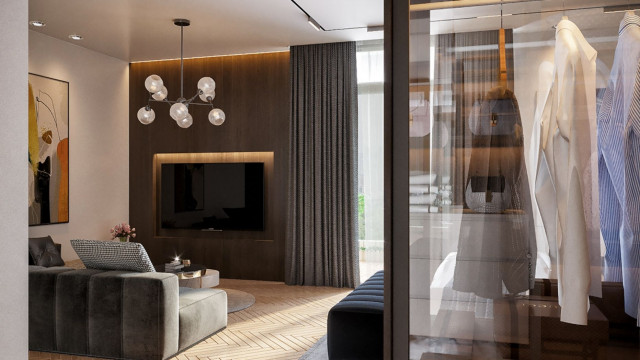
{"x":629,"y":10}
{"x":564,"y":15}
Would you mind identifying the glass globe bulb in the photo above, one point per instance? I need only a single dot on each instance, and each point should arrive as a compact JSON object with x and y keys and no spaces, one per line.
{"x":161,"y":95}
{"x":145,"y":116}
{"x":178,"y":111}
{"x":186,"y":122}
{"x":153,"y":83}
{"x":216,"y":117}
{"x":207,"y":85}
{"x":204,"y":96}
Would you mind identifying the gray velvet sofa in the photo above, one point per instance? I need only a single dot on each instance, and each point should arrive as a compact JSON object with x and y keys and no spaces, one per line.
{"x":119,"y":314}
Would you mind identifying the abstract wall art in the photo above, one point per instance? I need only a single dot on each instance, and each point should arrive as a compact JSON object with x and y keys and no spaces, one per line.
{"x":48,"y":150}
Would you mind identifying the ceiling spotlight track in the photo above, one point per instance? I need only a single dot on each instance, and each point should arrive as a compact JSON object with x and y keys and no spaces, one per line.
{"x":314,"y":24}
{"x":179,"y":109}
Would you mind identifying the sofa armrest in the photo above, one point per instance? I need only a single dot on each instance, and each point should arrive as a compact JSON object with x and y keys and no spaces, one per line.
{"x":133,"y":315}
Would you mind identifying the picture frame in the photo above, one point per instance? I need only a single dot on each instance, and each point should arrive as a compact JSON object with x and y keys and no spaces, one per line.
{"x":48,"y":155}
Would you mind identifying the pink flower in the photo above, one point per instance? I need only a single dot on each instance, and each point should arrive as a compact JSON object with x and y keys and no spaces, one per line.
{"x":122,"y":230}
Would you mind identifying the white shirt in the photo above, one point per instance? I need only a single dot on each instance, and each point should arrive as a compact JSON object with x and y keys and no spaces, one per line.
{"x":566,"y":180}
{"x":547,"y":249}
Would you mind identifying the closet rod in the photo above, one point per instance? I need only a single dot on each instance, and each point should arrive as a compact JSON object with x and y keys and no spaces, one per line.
{"x":461,"y":4}
{"x":605,"y":9}
{"x":472,"y":3}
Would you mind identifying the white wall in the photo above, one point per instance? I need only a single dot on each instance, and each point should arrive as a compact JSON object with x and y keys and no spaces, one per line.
{"x":13,"y":180}
{"x":98,"y":138}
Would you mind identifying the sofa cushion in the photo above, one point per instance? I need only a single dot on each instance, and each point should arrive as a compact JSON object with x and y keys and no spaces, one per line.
{"x":202,"y":313}
{"x":43,"y":252}
{"x":113,"y":255}
{"x":72,"y":310}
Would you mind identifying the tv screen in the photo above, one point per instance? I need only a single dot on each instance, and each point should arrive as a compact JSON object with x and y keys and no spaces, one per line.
{"x":212,"y":196}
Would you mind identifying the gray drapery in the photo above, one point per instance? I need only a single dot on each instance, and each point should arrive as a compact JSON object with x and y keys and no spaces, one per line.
{"x":322,"y":221}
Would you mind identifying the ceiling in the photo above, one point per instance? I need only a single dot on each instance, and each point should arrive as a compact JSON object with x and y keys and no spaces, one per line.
{"x":142,"y":30}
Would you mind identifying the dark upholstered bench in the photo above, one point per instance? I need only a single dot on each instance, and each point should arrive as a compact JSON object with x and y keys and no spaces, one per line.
{"x":354,"y":325}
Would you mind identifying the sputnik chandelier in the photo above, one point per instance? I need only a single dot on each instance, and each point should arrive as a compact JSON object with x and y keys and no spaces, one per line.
{"x":179,"y":110}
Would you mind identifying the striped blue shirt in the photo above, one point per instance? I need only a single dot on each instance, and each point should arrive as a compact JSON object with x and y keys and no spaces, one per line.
{"x":619,"y":165}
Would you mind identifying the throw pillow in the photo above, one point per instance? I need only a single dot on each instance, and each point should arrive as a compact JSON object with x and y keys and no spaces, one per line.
{"x":43,"y":252}
{"x":113,"y":255}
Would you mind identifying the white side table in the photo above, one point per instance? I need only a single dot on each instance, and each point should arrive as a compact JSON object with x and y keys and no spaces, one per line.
{"x":210,"y":279}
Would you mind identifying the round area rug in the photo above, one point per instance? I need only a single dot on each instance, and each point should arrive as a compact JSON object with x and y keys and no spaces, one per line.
{"x":238,"y":300}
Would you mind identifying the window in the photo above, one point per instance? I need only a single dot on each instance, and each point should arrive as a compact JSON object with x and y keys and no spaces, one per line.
{"x":370,"y":64}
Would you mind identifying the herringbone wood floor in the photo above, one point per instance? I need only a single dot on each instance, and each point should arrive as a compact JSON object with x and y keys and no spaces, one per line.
{"x":284,"y":322}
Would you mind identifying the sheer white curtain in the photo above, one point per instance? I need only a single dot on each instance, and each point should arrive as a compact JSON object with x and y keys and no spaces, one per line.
{"x":370,"y":65}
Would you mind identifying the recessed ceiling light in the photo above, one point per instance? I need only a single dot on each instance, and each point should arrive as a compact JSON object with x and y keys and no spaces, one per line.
{"x":37,"y":23}
{"x":75,"y":37}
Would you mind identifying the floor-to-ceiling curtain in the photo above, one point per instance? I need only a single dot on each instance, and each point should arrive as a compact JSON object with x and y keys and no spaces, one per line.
{"x":322,"y":221}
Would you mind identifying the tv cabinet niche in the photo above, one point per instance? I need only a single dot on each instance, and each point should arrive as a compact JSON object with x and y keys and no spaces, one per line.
{"x":236,"y":253}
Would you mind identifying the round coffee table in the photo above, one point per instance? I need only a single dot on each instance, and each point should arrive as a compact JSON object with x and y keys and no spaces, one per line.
{"x":211,"y":278}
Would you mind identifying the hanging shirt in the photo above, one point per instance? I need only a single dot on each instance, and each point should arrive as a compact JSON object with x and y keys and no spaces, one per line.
{"x":566,"y":181}
{"x":631,"y":210}
{"x":618,"y":162}
{"x":547,"y":249}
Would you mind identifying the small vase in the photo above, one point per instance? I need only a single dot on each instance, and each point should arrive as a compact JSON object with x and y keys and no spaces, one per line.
{"x":122,"y":238}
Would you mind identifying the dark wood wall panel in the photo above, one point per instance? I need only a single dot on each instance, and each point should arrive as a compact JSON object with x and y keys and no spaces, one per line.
{"x":253,"y":91}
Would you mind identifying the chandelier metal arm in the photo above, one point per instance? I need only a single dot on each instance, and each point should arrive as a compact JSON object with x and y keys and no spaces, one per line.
{"x":189,"y":102}
{"x":171,"y":102}
{"x":181,"y":100}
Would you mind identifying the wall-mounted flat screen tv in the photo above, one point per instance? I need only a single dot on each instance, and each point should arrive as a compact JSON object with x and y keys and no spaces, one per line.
{"x":212,"y":196}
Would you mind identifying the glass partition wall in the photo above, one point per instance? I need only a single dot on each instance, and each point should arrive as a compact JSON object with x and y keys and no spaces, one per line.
{"x":524,"y":179}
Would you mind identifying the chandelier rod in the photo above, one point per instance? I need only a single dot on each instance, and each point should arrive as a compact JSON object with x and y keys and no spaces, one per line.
{"x":181,"y":61}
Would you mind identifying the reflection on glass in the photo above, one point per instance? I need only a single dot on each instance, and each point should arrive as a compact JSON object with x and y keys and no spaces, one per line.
{"x":512,"y":120}
{"x":497,"y":238}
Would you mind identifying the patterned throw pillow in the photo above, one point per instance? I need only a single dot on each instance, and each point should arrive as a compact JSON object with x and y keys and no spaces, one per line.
{"x":113,"y":255}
